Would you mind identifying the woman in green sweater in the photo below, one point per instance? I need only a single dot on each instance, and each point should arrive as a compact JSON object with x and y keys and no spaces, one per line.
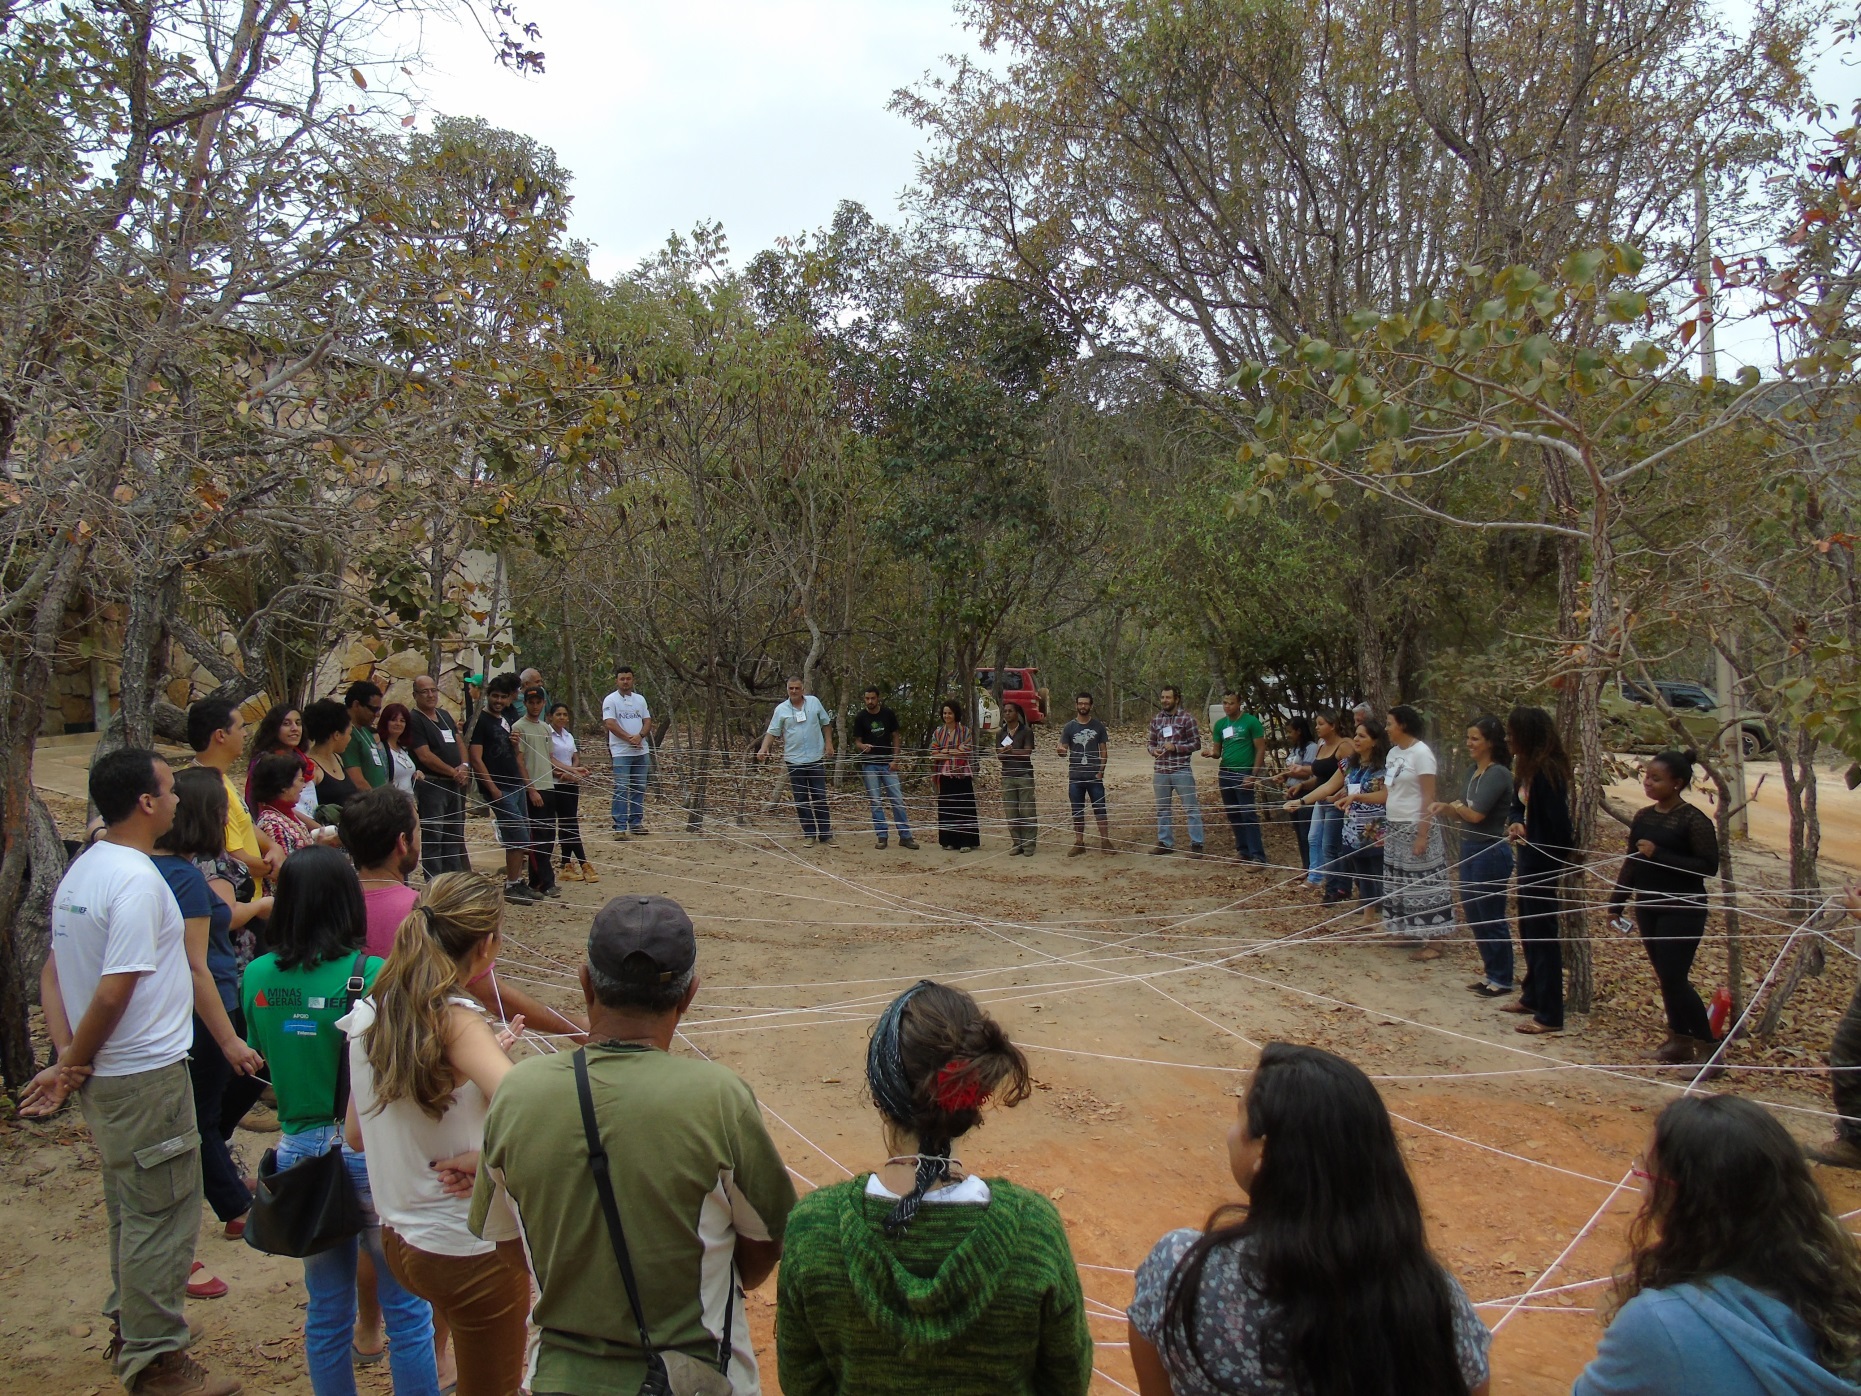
{"x":922,"y":1277}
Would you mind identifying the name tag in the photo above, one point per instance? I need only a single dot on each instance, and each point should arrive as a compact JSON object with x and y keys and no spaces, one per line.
{"x":798,"y":717}
{"x":1230,"y":733}
{"x":1169,"y":731}
{"x":1008,"y":741}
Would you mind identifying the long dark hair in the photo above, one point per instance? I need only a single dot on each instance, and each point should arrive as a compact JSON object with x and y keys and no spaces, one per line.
{"x":1494,"y":731}
{"x":1731,"y":1195}
{"x":1537,"y":749}
{"x":1378,"y":734}
{"x":265,"y":739}
{"x":1298,"y":731}
{"x":1335,"y":1233}
{"x":318,"y":913}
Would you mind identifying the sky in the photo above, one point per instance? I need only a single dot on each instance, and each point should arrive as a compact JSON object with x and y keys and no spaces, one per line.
{"x":760,"y":114}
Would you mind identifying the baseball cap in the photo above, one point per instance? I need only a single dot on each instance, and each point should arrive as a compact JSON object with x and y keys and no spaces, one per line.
{"x":644,"y":940}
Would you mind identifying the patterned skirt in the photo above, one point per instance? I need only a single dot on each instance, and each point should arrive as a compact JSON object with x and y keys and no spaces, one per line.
{"x":1418,"y":899}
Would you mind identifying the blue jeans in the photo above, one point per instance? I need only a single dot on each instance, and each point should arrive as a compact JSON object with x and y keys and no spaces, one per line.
{"x":629,"y":808}
{"x":1182,"y":782}
{"x":882,"y":785}
{"x":807,"y":782}
{"x":1243,"y":816}
{"x":329,"y":1283}
{"x":1485,"y":877}
{"x":1327,"y":844}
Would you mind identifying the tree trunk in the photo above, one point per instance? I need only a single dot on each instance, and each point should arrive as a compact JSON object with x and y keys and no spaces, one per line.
{"x":1796,"y":762}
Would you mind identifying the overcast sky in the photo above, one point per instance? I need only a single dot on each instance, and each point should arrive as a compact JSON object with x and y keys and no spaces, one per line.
{"x":761,"y":114}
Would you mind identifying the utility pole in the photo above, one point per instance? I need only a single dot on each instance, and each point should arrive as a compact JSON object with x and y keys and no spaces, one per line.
{"x":1726,"y":681}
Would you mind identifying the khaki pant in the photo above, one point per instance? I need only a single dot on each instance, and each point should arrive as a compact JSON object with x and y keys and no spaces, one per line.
{"x":144,"y":1128}
{"x":1018,"y":807}
{"x":484,"y":1299}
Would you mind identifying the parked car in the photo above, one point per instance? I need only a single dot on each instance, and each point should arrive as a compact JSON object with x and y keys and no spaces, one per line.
{"x":1633,"y":722}
{"x":1020,"y":686}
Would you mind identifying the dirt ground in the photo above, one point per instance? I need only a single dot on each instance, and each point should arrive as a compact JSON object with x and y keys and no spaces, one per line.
{"x":1141,"y":988}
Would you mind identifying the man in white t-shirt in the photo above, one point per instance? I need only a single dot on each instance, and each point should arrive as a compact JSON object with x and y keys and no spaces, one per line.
{"x":629,"y":722}
{"x":119,"y":1002}
{"x":803,"y":726}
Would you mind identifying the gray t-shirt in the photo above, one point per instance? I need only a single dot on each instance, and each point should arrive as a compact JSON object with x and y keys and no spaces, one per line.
{"x":1489,"y":792}
{"x":1085,"y":747}
{"x":1234,"y":1317}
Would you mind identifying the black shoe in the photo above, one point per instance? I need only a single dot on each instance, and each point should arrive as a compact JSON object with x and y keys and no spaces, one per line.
{"x":1195,"y":850}
{"x":907,"y":843}
{"x":1161,"y":849}
{"x":826,"y":838}
{"x":553,"y":890}
{"x":520,"y":893}
{"x":1491,"y":991}
{"x":881,"y":841}
{"x":641,"y":832}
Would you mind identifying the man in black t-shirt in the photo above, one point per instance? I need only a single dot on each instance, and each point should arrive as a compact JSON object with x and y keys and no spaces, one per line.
{"x":1083,"y":743}
{"x":433,"y":740}
{"x":493,"y":755}
{"x":875,"y":734}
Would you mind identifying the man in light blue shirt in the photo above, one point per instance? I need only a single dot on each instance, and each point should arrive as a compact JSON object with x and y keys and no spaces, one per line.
{"x":807,"y":745}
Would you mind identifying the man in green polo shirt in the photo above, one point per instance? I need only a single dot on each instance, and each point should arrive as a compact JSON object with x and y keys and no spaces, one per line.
{"x":1238,"y":740}
{"x":363,"y":760}
{"x":702,"y":1193}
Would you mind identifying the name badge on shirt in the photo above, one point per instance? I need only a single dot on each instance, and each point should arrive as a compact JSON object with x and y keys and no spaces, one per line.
{"x":1169,"y":731}
{"x":1229,"y":733}
{"x":801,"y":716}
{"x":1008,"y":741}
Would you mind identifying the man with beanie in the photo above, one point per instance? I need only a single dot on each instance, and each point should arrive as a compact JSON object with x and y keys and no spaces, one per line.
{"x":702,"y":1195}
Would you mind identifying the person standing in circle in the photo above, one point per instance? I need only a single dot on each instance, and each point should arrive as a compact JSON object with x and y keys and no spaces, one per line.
{"x":1301,"y":752}
{"x":1485,"y":855}
{"x":1540,"y":828}
{"x":875,"y":736}
{"x":1238,"y":741}
{"x":402,"y":769}
{"x":1174,"y":738}
{"x":803,"y":724}
{"x":1016,"y":749}
{"x":433,"y":741}
{"x":365,"y":763}
{"x":1324,"y":1282}
{"x":1672,"y":850}
{"x":922,"y":1276}
{"x":1418,"y":900}
{"x":1085,"y":743}
{"x":628,"y":720}
{"x":953,"y":768}
{"x":569,"y":775}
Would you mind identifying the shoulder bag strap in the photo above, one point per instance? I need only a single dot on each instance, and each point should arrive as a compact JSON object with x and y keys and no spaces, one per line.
{"x":356,"y":987}
{"x":604,"y":1185}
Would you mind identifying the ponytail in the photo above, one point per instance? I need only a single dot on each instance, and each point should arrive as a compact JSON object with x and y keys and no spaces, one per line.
{"x":406,"y":1044}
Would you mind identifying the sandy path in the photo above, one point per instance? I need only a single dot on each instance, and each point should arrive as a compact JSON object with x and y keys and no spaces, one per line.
{"x":1140,"y":987}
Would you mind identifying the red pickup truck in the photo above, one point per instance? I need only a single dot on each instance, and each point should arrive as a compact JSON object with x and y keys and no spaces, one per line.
{"x":1019,"y":686}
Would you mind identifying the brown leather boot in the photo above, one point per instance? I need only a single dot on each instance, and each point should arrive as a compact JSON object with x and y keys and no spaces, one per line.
{"x":177,"y":1374}
{"x":1675,"y":1051}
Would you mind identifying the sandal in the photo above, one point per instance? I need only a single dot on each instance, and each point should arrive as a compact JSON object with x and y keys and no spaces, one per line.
{"x":1516,"y":1006}
{"x":1536,"y":1029}
{"x":213,"y":1287}
{"x":367,"y":1359}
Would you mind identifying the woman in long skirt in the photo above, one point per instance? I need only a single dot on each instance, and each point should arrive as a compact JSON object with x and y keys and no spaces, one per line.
{"x":953,"y":767}
{"x":1418,"y":898}
{"x":1540,"y":828}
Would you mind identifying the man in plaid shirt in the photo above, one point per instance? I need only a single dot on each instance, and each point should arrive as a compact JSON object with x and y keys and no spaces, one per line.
{"x":1174,"y":739}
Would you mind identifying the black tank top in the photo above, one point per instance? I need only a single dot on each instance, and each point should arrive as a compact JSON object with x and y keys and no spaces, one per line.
{"x":1323,"y":768}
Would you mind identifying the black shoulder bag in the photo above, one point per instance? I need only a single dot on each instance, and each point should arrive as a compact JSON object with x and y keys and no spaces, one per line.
{"x":667,"y":1373}
{"x":310,"y":1206}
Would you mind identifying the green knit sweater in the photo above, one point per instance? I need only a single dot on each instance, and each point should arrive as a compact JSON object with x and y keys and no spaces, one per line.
{"x":970,"y":1300}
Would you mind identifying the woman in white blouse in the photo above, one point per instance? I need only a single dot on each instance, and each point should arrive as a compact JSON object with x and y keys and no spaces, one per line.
{"x":566,"y":798}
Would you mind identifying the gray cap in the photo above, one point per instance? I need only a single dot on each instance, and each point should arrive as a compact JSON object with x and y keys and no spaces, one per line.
{"x":643,"y":940}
